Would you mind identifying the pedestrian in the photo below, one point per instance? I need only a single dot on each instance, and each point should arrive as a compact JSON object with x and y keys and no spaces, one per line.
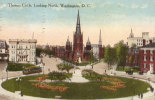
{"x":105,"y":71}
{"x":21,"y":93}
{"x":142,"y":96}
{"x":138,"y":95}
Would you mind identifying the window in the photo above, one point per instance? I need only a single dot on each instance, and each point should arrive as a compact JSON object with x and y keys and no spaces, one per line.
{"x":145,"y":65}
{"x":151,"y":51}
{"x":144,"y":51}
{"x":151,"y":58}
{"x":144,"y":58}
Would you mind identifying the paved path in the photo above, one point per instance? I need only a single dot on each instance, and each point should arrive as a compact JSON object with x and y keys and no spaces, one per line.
{"x":77,"y":77}
{"x":50,"y":65}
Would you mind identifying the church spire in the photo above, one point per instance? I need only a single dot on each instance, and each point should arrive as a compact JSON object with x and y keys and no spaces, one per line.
{"x":78,"y":27}
{"x":68,"y":42}
{"x":131,"y":34}
{"x":100,"y":39}
{"x":88,"y":42}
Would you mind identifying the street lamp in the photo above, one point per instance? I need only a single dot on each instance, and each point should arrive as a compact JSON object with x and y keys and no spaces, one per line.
{"x":7,"y":74}
{"x":18,"y":80}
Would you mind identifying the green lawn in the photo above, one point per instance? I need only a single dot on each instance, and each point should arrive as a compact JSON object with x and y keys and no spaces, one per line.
{"x":17,"y":66}
{"x":128,"y":69}
{"x":89,"y":90}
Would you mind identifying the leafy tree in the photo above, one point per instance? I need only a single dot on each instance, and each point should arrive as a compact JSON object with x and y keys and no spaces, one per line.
{"x":46,"y":51}
{"x":121,"y":53}
{"x":57,"y":76}
{"x":110,"y":56}
{"x":66,"y":67}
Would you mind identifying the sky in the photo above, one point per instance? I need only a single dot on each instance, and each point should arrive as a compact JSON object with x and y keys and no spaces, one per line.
{"x":52,"y":25}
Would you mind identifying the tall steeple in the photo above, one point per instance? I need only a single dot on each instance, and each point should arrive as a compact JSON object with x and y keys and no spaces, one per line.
{"x":100,"y":39}
{"x":68,"y":42}
{"x":88,"y":42}
{"x":78,"y":27}
{"x":131,"y":34}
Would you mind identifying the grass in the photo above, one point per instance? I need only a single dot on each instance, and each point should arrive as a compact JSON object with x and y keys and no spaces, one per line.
{"x":128,"y":69}
{"x":18,"y":66}
{"x":90,"y":90}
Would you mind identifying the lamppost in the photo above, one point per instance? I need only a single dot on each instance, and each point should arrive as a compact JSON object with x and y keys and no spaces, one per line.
{"x":43,"y":67}
{"x":134,"y":88}
{"x":18,"y":80}
{"x":6,"y":74}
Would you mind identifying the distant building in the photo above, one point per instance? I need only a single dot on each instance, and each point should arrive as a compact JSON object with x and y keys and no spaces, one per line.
{"x":77,"y":52}
{"x":132,"y":59}
{"x":22,"y":51}
{"x":3,"y":50}
{"x":147,"y":58}
{"x":139,"y":41}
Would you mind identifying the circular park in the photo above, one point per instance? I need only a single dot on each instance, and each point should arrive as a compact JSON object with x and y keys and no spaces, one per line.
{"x":58,"y":84}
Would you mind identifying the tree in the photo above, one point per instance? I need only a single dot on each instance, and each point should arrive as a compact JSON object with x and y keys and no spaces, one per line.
{"x":110,"y":56}
{"x":57,"y":76}
{"x":66,"y":67}
{"x":121,"y":53}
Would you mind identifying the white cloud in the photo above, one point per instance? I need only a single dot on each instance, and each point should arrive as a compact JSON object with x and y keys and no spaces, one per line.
{"x":2,"y":6}
{"x":139,"y":6}
{"x":122,"y":5}
{"x":105,"y":4}
{"x":144,"y":6}
{"x":134,"y":6}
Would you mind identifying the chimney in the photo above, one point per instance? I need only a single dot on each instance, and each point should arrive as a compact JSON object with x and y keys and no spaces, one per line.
{"x":144,"y":42}
{"x":150,"y":41}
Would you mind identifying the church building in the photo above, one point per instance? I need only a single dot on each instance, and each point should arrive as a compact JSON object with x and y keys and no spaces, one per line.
{"x":77,"y":52}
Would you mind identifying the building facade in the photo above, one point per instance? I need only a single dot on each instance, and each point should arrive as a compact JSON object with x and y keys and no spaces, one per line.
{"x":4,"y":55}
{"x":147,"y":58}
{"x":77,"y":52}
{"x":22,"y":51}
{"x":132,"y":59}
{"x":139,"y":41}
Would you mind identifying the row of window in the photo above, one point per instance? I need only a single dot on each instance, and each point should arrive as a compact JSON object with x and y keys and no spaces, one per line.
{"x":22,"y":59}
{"x":151,"y":58}
{"x":151,"y":65}
{"x":23,"y":52}
{"x":148,"y":51}
{"x":139,"y":40}
{"x":24,"y":46}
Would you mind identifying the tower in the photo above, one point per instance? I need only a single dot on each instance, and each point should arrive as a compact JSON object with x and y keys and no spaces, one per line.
{"x":88,"y":45}
{"x":78,"y":41}
{"x":68,"y":45}
{"x":100,"y":39}
{"x":100,"y":47}
{"x":131,"y":34}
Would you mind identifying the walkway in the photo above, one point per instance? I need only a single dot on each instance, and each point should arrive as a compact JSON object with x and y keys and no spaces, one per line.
{"x":50,"y":63}
{"x":77,"y":77}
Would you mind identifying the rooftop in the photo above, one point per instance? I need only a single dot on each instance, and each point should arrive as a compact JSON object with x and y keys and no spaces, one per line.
{"x":23,"y":40}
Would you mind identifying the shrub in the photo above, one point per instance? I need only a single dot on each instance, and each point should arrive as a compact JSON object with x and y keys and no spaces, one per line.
{"x":58,"y":76}
{"x":17,"y":66}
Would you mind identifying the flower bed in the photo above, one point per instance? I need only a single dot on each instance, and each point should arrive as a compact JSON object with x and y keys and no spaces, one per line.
{"x":116,"y":84}
{"x":109,"y":88}
{"x":48,"y":87}
{"x":42,"y":78}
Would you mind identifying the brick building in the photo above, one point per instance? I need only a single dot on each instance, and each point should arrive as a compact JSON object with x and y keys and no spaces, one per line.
{"x":147,"y":58}
{"x":77,"y":51}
